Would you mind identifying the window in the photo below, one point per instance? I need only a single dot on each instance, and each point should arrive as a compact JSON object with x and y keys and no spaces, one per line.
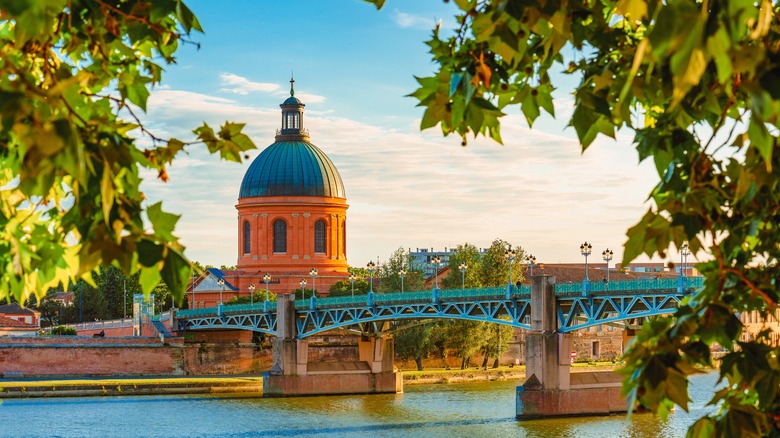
{"x":280,"y":236}
{"x":247,"y":238}
{"x":319,"y":236}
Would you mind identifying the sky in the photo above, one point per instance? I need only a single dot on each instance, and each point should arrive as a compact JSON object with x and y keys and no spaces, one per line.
{"x":406,"y":188}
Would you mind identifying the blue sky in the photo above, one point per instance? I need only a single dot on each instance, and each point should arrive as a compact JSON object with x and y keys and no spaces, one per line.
{"x":353,"y":67}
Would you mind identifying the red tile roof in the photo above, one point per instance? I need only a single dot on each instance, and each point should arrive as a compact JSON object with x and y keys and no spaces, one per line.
{"x":6,"y":322}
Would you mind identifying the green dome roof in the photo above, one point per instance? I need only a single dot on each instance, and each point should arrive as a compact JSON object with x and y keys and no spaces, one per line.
{"x":292,"y":168}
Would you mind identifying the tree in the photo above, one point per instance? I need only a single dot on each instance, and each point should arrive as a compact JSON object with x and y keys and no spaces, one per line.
{"x":696,"y":82}
{"x":465,"y":338}
{"x":494,"y":266}
{"x":469,"y":254}
{"x":415,"y":343}
{"x":390,"y":277}
{"x":343,"y":288}
{"x":74,"y":75}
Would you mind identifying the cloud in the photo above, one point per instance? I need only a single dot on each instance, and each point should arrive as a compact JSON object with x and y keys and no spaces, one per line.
{"x":414,"y":189}
{"x":232,"y":83}
{"x":406,"y":20}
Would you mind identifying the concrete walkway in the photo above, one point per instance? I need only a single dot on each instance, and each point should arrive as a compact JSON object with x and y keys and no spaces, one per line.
{"x":144,"y":385}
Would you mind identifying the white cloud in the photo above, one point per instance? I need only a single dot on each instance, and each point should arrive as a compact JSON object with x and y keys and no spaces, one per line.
{"x":232,"y":83}
{"x":410,"y":20}
{"x":413,"y":189}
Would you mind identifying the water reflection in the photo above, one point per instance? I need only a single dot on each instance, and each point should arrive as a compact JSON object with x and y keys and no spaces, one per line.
{"x":470,"y":409}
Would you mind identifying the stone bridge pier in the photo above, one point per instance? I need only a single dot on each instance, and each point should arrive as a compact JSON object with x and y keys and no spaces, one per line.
{"x":293,"y":375}
{"x":550,"y":390}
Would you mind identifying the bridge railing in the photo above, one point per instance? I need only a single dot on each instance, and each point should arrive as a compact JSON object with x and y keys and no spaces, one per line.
{"x":630,"y":286}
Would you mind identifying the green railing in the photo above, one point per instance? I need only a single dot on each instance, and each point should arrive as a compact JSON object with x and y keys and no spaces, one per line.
{"x":630,"y":286}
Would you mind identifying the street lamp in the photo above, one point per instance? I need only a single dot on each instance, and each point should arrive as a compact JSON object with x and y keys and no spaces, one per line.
{"x":510,"y":255}
{"x":684,"y":253}
{"x":303,"y":285}
{"x":531,"y":264}
{"x":313,"y":273}
{"x":402,"y":273}
{"x":607,"y":256}
{"x":221,"y":283}
{"x":463,"y":266}
{"x":371,"y":267}
{"x":251,"y":293}
{"x":586,"y":249}
{"x":352,"y":278}
{"x":266,"y":279}
{"x":436,"y":261}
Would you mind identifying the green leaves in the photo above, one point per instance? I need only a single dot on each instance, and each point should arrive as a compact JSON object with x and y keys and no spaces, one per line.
{"x":74,"y":74}
{"x":698,"y":84}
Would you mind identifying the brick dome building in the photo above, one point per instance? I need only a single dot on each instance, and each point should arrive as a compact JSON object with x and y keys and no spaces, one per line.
{"x":292,"y":211}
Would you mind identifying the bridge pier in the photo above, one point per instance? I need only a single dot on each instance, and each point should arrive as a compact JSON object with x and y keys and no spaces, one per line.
{"x":293,"y":375}
{"x":550,"y":390}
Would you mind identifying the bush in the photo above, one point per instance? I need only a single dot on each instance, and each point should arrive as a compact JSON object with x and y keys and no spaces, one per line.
{"x":63,"y":330}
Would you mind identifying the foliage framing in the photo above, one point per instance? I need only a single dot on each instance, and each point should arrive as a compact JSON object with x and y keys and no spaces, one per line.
{"x":699,"y":84}
{"x":73,"y":76}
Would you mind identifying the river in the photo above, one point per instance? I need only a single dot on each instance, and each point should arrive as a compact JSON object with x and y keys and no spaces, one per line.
{"x":484,"y":409}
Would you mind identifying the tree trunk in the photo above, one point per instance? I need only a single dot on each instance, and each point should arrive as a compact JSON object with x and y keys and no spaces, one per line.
{"x":419,"y":363}
{"x":495,"y":364}
{"x":485,"y":360}
{"x":464,"y":361}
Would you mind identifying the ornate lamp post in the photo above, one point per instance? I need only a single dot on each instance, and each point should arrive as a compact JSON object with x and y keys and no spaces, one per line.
{"x":251,"y":293}
{"x":607,"y":256}
{"x":371,"y":267}
{"x":266,"y":279}
{"x":402,"y":273}
{"x":313,"y":273}
{"x":510,"y":255}
{"x":221,"y":283}
{"x":684,"y":253}
{"x":462,"y":268}
{"x":531,"y":264}
{"x":352,"y":278}
{"x":586,"y":249}
{"x":436,"y":261}
{"x":303,"y":286}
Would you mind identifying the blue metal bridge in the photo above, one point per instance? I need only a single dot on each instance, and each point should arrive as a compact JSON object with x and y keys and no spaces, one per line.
{"x":578,"y":306}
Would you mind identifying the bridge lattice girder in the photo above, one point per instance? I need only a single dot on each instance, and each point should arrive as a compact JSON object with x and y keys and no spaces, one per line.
{"x":574,"y":312}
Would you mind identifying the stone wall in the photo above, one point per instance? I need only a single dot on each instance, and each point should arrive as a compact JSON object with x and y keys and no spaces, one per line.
{"x":75,"y":355}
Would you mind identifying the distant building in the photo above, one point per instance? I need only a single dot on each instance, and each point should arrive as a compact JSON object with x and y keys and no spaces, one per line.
{"x":10,"y":327}
{"x":16,"y":312}
{"x":420,"y":259}
{"x":64,"y":298}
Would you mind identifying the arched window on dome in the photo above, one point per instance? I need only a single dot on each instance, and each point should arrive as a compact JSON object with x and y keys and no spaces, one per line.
{"x":280,"y":236}
{"x":319,"y":237}
{"x":247,"y":237}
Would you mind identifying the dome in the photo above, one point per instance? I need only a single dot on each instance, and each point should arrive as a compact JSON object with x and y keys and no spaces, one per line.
{"x":292,"y":168}
{"x":292,"y":100}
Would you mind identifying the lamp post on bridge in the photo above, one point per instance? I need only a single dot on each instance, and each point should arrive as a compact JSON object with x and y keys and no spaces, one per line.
{"x":462,"y":268}
{"x":531,"y":264}
{"x":435,"y":261}
{"x":607,"y":256}
{"x":586,"y":249}
{"x":371,"y":267}
{"x":510,"y":255}
{"x":352,"y":278}
{"x":402,"y":274}
{"x":221,"y":283}
{"x":684,"y":253}
{"x":266,"y":279}
{"x":313,"y":273}
{"x":303,"y":286}
{"x":251,"y":293}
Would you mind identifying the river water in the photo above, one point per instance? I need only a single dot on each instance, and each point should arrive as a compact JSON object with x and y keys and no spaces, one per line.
{"x":484,"y":409}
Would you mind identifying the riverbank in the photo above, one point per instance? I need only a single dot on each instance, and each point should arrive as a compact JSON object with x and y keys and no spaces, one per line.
{"x":246,"y":384}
